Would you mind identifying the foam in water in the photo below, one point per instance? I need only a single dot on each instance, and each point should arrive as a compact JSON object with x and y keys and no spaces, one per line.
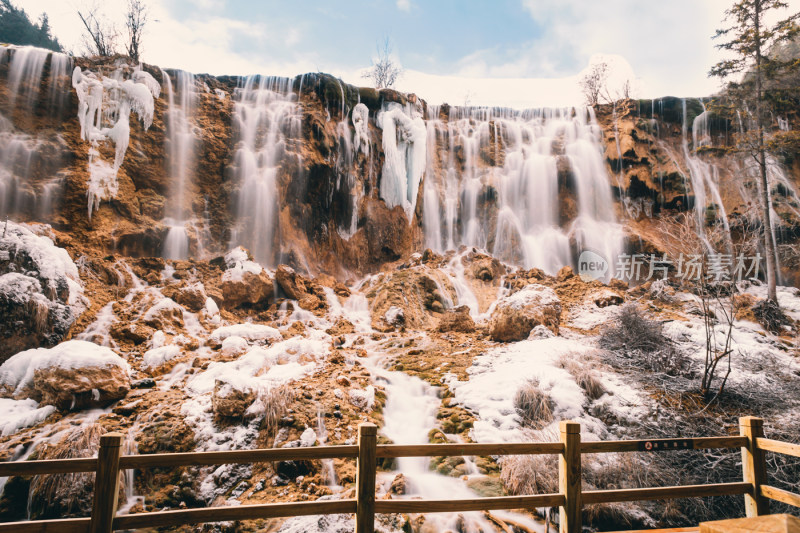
{"x":180,"y":148}
{"x":266,"y":117}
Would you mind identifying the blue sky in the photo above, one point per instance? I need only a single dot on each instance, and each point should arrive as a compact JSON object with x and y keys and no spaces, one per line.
{"x":519,"y":52}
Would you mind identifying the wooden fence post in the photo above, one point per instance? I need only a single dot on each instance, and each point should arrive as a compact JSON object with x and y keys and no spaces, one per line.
{"x":367,"y":465}
{"x":754,"y":467}
{"x":569,"y":478}
{"x":106,"y":483}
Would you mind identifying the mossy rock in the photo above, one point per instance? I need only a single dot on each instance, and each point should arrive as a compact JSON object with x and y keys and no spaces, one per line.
{"x":488,"y":487}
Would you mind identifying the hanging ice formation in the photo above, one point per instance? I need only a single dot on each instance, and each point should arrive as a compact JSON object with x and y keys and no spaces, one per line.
{"x":104,"y":108}
{"x":404,"y":148}
{"x":361,"y":127}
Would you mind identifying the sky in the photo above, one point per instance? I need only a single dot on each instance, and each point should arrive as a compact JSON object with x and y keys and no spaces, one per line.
{"x":521,"y":53}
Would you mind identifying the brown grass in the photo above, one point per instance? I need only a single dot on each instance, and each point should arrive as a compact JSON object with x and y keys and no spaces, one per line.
{"x":534,"y":406}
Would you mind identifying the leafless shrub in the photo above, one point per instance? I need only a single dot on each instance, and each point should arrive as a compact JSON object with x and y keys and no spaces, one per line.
{"x":594,"y":83}
{"x":533,"y":406}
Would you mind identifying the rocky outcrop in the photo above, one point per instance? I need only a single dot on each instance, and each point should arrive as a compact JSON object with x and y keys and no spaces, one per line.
{"x":516,"y":315}
{"x":40,"y":294}
{"x":230,"y":402}
{"x":73,"y":375}
{"x":457,"y":319}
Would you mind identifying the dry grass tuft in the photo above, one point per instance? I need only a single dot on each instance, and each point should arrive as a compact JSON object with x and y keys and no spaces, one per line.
{"x":533,"y":406}
{"x":65,"y":495}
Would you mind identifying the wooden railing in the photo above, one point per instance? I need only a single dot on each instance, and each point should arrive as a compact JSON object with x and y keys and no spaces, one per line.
{"x":570,"y":498}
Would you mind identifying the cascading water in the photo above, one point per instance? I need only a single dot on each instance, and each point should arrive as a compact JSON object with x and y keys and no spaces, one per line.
{"x":266,"y":119}
{"x":483,"y":160}
{"x":181,"y":141}
{"x":30,"y":163}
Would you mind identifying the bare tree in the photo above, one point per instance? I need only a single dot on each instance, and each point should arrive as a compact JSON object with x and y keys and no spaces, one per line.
{"x":594,"y":83}
{"x":385,"y":70}
{"x":135,"y":20}
{"x":100,"y":35}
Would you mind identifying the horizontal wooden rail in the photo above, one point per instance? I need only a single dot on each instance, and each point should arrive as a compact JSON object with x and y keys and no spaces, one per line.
{"x":776,"y":446}
{"x":64,"y":525}
{"x":699,"y":443}
{"x":473,"y":504}
{"x":49,"y":466}
{"x":239,"y":512}
{"x":570,"y":499}
{"x":780,"y":495}
{"x":434,"y":450}
{"x":663,"y":493}
{"x":237,"y":456}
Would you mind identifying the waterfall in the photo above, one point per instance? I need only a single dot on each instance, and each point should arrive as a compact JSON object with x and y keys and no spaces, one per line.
{"x":180,"y":150}
{"x":266,"y":118}
{"x":492,"y":181}
{"x":30,"y":158}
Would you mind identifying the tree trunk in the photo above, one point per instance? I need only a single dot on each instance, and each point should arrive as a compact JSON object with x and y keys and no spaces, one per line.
{"x":766,"y":217}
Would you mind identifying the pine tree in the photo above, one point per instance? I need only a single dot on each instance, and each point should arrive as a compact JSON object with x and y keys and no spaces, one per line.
{"x":17,"y":28}
{"x":749,"y":39}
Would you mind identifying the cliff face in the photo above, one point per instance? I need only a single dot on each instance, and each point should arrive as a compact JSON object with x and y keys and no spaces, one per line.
{"x":278,"y":166}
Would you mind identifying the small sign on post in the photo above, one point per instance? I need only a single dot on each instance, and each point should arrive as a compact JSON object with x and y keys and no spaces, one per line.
{"x":666,"y":445}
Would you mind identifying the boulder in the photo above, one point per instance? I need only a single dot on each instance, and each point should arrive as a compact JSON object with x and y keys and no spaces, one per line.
{"x":606,"y":297}
{"x":166,"y":314}
{"x":40,"y":292}
{"x":247,"y":289}
{"x":192,"y":297}
{"x":230,"y":402}
{"x":515,"y":316}
{"x":73,"y":375}
{"x":308,"y":293}
{"x":457,"y":319}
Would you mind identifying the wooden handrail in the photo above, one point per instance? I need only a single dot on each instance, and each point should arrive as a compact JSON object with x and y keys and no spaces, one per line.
{"x":472,"y":504}
{"x":48,"y":466}
{"x":444,"y":450}
{"x":262,"y":455}
{"x":664,"y":493}
{"x":570,"y":498}
{"x":63,"y":525}
{"x":776,"y":446}
{"x":780,"y":495}
{"x":239,"y":512}
{"x":698,"y":443}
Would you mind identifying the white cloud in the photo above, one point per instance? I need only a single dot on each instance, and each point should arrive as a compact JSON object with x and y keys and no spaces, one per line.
{"x":404,"y":5}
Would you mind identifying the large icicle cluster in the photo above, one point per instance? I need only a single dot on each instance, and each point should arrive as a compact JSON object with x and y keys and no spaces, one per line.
{"x":361,"y":127}
{"x":103,"y":101}
{"x":404,"y":147}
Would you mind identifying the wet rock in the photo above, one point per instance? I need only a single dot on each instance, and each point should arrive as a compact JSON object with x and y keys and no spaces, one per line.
{"x":565,"y":273}
{"x":145,"y":383}
{"x":308,"y":293}
{"x":294,"y":469}
{"x":516,"y":315}
{"x":164,"y":315}
{"x":248,"y":289}
{"x":192,"y":297}
{"x":457,"y":319}
{"x":606,"y":297}
{"x":230,"y":402}
{"x":399,"y":485}
{"x":81,"y":388}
